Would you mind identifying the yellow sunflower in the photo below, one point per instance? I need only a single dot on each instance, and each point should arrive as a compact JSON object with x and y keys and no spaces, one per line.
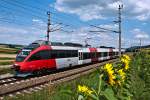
{"x":110,"y":72}
{"x":84,"y":89}
{"x":122,"y":74}
{"x":127,"y":57}
{"x":108,"y":67}
{"x":126,"y":63}
{"x":111,"y":79}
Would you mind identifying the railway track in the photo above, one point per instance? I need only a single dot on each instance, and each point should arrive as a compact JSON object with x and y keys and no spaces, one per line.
{"x":7,"y":80}
{"x":34,"y":84}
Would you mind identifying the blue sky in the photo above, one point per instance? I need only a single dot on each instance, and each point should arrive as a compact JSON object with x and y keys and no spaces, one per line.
{"x":24,"y":21}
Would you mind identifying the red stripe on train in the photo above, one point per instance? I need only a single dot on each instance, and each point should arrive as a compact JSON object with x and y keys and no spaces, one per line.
{"x":93,"y":52}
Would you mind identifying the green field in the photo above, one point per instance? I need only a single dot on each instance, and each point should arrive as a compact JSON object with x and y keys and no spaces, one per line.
{"x":8,"y":50}
{"x":7,"y":56}
{"x":5,"y":70}
{"x":137,"y":86}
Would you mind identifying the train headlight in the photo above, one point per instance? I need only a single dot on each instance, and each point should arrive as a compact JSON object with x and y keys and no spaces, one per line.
{"x":16,"y":67}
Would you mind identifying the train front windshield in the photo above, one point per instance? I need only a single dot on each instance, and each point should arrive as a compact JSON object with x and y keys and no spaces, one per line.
{"x":22,"y":55}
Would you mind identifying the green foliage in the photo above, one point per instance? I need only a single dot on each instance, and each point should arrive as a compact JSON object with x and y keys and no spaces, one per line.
{"x":140,"y":76}
{"x":6,"y":63}
{"x":5,"y":70}
{"x":6,"y":58}
{"x":135,"y":87}
{"x":109,"y":94}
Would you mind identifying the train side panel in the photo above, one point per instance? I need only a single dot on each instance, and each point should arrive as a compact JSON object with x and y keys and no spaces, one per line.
{"x":86,"y":60}
{"x":66,"y":62}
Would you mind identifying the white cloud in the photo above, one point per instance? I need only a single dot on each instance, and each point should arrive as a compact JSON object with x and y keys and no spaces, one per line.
{"x":38,"y":23}
{"x":139,"y":34}
{"x":20,"y":35}
{"x":99,"y":9}
{"x":142,"y":36}
{"x":4,"y":29}
{"x":79,"y":36}
{"x":27,"y":35}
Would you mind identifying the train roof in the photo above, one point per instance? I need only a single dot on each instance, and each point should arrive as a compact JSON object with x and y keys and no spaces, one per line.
{"x":59,"y":45}
{"x":43,"y":42}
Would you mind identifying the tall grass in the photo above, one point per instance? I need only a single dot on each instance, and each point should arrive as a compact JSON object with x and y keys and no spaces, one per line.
{"x":6,"y":63}
{"x":140,"y":76}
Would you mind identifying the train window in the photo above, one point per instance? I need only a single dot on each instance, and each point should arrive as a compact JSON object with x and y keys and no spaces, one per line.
{"x":64,"y":53}
{"x":96,"y":54}
{"x":105,"y":54}
{"x":102,"y":54}
{"x":54,"y":54}
{"x":88,"y":54}
{"x":113,"y":53}
{"x":68,"y":53}
{"x":99,"y":54}
{"x":110,"y":53}
{"x":85,"y":56}
{"x":61,"y":54}
{"x":20,"y":58}
{"x":93,"y":54}
{"x":117,"y":53}
{"x":45,"y":54}
{"x":35,"y":56}
{"x":74,"y":53}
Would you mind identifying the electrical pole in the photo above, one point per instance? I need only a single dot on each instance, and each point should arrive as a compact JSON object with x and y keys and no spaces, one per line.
{"x":119,"y":30}
{"x":86,"y":42}
{"x":140,"y":44}
{"x":48,"y":26}
{"x":119,"y":22}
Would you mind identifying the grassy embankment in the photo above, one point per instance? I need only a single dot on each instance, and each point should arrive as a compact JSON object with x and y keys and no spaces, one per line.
{"x":137,"y":86}
{"x":7,"y":56}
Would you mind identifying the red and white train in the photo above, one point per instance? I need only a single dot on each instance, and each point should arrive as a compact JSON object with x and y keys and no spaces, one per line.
{"x":39,"y":56}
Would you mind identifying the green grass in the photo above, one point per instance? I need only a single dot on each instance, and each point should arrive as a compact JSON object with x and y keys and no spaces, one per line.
{"x":6,"y":63}
{"x":55,"y":92}
{"x":5,"y":70}
{"x":8,"y":52}
{"x":4,"y":48}
{"x":140,"y":77}
{"x":6,"y":58}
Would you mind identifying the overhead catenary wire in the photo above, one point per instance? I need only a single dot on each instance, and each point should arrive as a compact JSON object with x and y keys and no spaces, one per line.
{"x":36,"y":10}
{"x":24,"y":10}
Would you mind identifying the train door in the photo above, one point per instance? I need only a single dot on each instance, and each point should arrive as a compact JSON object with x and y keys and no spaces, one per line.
{"x":93,"y":52}
{"x":80,"y":55}
{"x":110,"y":53}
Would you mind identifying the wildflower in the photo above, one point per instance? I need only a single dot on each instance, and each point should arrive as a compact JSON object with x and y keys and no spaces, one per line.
{"x":122,"y":74}
{"x":110,"y":72}
{"x":111,"y":78}
{"x":84,"y":89}
{"x":108,"y":67}
{"x":127,"y":57}
{"x":126,"y":63}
